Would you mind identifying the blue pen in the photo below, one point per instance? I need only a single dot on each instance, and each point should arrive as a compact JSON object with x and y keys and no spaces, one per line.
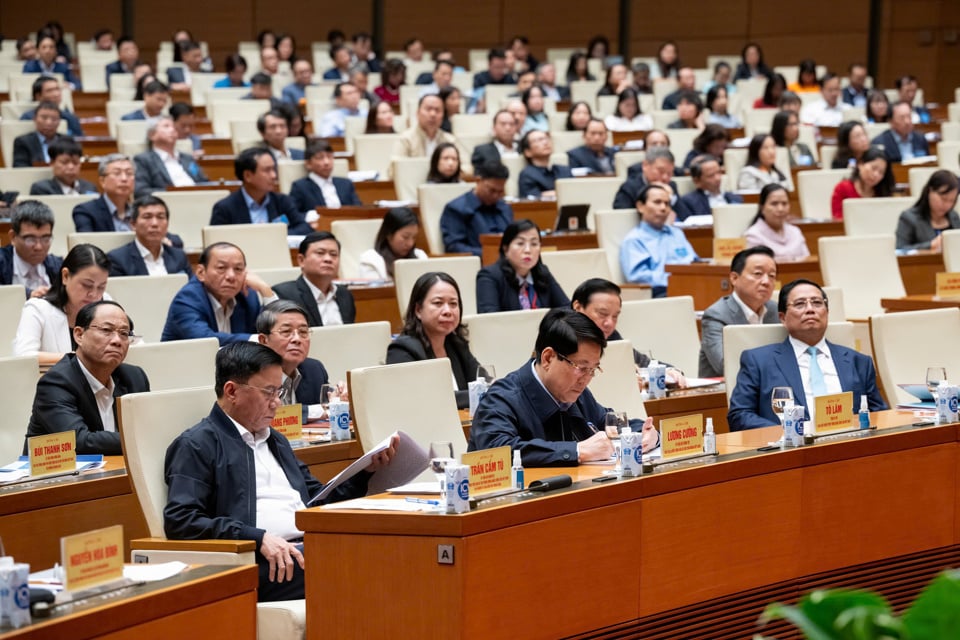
{"x":435,"y":503}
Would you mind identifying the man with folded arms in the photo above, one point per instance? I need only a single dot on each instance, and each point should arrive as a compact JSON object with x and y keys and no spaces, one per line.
{"x":805,"y":362}
{"x":544,"y":409}
{"x":80,"y":391}
{"x":232,"y":477}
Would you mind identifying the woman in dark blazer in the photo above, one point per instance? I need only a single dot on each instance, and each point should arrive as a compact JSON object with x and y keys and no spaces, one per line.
{"x":519,"y":279}
{"x":921,"y":226}
{"x":432,"y":329}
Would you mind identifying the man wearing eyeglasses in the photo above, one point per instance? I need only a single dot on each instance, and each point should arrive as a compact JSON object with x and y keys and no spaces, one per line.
{"x":80,"y":391}
{"x":27,"y":260}
{"x":233,"y":477}
{"x":805,"y":362}
{"x":544,"y":409}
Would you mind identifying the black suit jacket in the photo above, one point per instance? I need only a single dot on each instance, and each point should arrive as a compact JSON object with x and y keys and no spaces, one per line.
{"x":112,"y":68}
{"x":64,"y":401}
{"x":126,"y":261}
{"x":892,"y":150}
{"x":298,"y":291}
{"x":51,"y":187}
{"x":94,"y":216}
{"x":152,"y":176}
{"x":51,"y":264}
{"x":496,"y":293}
{"x":27,"y":149}
{"x":584,"y":157}
{"x":486,"y":153}
{"x":696,"y":202}
{"x":628,"y":192}
{"x":233,"y":210}
{"x":307,"y":196}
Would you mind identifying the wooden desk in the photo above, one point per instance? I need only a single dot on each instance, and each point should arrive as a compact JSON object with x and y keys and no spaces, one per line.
{"x":372,"y":191}
{"x":919,"y":271}
{"x":901,"y":172}
{"x":919,"y":302}
{"x":376,"y":303}
{"x":210,"y":602}
{"x":710,"y":401}
{"x":543,"y":213}
{"x":699,"y":546}
{"x":560,"y":240}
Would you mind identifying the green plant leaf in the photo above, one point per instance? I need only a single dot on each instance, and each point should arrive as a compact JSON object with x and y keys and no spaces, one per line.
{"x":795,"y":616}
{"x":935,"y":614}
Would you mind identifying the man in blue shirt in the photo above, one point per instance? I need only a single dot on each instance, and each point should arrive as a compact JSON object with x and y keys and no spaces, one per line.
{"x":295,"y":92}
{"x":653,"y":244}
{"x":476,"y":212}
{"x":333,"y":124}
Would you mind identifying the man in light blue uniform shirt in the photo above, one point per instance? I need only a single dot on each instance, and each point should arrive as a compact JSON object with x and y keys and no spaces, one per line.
{"x":653,"y":244}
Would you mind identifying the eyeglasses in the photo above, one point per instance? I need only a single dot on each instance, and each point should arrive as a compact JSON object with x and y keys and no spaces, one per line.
{"x":302,"y":332}
{"x":120,"y":174}
{"x":580,"y":369}
{"x":800,"y":305}
{"x":270,"y":393}
{"x":107,"y":332}
{"x":32,"y":241}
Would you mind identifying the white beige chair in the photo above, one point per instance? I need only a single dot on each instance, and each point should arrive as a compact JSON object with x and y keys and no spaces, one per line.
{"x":63,"y":226}
{"x":865,"y":268}
{"x":732,"y":220}
{"x":11,"y":129}
{"x":585,"y":91}
{"x":905,"y":344}
{"x":665,"y":327}
{"x":463,"y":269}
{"x":563,"y":141}
{"x":869,"y":216}
{"x":617,"y":387}
{"x":200,"y":85}
{"x":757,"y":121}
{"x":222,"y":113}
{"x":132,"y":131}
{"x":146,"y":299}
{"x":472,"y":124}
{"x":504,"y":339}
{"x":612,"y":225}
{"x":816,"y":190}
{"x":827,"y":154}
{"x":190,"y":212}
{"x":280,"y":274}
{"x":626,"y":159}
{"x":515,"y":164}
{"x":178,"y":364}
{"x":106,"y":240}
{"x":951,"y":250}
{"x":116,"y":109}
{"x":20,"y":376}
{"x":264,"y":245}
{"x":12,"y":298}
{"x":355,"y":236}
{"x":597,"y":192}
{"x":349,"y":346}
{"x":570,"y":268}
{"x":21,"y":178}
{"x":433,"y":198}
{"x":288,"y":172}
{"x":918,"y":177}
{"x":408,"y":175}
{"x":373,"y":152}
{"x":948,"y":151}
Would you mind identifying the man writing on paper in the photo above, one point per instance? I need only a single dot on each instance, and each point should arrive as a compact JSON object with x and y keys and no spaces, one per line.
{"x":232,"y":477}
{"x":544,"y":408}
{"x":805,"y":361}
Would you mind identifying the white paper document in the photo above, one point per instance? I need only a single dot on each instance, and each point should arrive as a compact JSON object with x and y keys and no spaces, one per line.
{"x":152,"y":572}
{"x":380,"y":505}
{"x":432,"y":487}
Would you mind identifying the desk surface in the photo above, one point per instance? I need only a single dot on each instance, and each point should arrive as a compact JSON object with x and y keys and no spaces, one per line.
{"x":919,"y":302}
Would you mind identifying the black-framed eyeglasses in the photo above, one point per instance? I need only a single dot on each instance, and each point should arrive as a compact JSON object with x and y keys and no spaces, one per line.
{"x":581,"y":370}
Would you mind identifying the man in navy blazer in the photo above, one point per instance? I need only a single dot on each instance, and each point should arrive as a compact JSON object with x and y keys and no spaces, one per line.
{"x":325,"y":302}
{"x":27,"y":260}
{"x":901,"y":133}
{"x":274,"y":127}
{"x":34,"y":147}
{"x":256,"y":201}
{"x":47,"y":89}
{"x":46,"y":61}
{"x":150,"y":253}
{"x":162,"y":165}
{"x":707,"y":178}
{"x":594,"y":154}
{"x":128,"y":54}
{"x":803,"y":311}
{"x":221,"y":302}
{"x":657,"y":166}
{"x":539,"y":178}
{"x":155,"y":98}
{"x":321,"y":188}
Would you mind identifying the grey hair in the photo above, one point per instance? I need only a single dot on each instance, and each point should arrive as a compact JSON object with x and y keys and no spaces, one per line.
{"x":152,"y":128}
{"x":109,"y":159}
{"x":268,"y":315}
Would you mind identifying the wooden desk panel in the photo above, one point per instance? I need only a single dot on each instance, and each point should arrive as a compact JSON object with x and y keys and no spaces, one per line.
{"x":919,"y":271}
{"x":372,"y":191}
{"x":377,"y":303}
{"x":919,"y":302}
{"x":710,"y":401}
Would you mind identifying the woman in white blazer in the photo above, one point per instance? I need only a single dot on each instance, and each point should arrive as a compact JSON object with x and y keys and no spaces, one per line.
{"x":396,"y":240}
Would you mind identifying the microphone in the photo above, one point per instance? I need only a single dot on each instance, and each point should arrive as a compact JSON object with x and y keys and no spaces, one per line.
{"x":551,"y":483}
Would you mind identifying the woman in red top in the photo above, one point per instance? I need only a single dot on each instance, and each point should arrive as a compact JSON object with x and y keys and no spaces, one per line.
{"x":872,"y":177}
{"x":393,"y":75}
{"x":776,"y":85}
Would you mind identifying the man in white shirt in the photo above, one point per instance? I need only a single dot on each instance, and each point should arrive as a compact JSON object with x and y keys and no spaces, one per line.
{"x":274,"y":126}
{"x":27,"y":260}
{"x":321,"y":188}
{"x":163,"y":166}
{"x":346,"y":95}
{"x":325,"y":302}
{"x":828,"y":111}
{"x":150,"y":253}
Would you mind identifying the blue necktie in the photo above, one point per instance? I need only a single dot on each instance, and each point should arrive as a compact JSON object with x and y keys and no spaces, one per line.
{"x":817,"y":385}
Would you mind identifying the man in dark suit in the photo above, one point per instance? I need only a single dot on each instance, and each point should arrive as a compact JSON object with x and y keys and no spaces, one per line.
{"x":221,"y":302}
{"x":46,"y":61}
{"x":192,"y":56}
{"x":686,"y":81}
{"x":498,"y":72}
{"x":321,"y":188}
{"x":34,"y":147}
{"x":27,"y":260}
{"x":274,"y":126}
{"x":65,"y":156}
{"x":657,"y":166}
{"x":47,"y":89}
{"x":155,"y":97}
{"x":547,"y":78}
{"x":163,"y":166}
{"x":256,"y":201}
{"x":128,"y":54}
{"x":707,"y":178}
{"x":907,"y":88}
{"x":805,"y":362}
{"x":504,"y":140}
{"x":261,"y":88}
{"x":342,"y":58}
{"x":593,"y":154}
{"x":325,"y":302}
{"x":79,"y":393}
{"x":539,"y":179}
{"x":111,"y":211}
{"x":900,"y":142}
{"x":478,"y":211}
{"x":150,"y":254}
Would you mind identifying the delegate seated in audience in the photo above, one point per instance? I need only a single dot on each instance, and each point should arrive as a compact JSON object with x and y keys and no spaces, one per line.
{"x":478,"y":211}
{"x":46,"y":62}
{"x":274,"y":127}
{"x":128,"y":55}
{"x":27,"y":259}
{"x":451,"y":106}
{"x":718,"y":102}
{"x":217,"y":473}
{"x":547,"y":79}
{"x":261,"y":88}
{"x":921,"y":226}
{"x":340,"y":55}
{"x":761,"y":168}
{"x":111,"y":211}
{"x":392,"y":77}
{"x":256,"y":201}
{"x":829,"y":109}
{"x":380,"y":118}
{"x":33,"y":148}
{"x":519,"y":279}
{"x":616,"y":82}
{"x":713,"y":140}
{"x":504,"y":140}
{"x":519,"y":111}
{"x":498,"y":70}
{"x":786,"y":133}
{"x":270,"y":61}
{"x":47,"y":89}
{"x":184,"y":121}
{"x":221,"y":302}
{"x":657,"y":166}
{"x":805,"y":362}
{"x":627,"y":116}
{"x":80,"y":392}
{"x":346,"y":96}
{"x":579,"y":116}
{"x":150,"y":253}
{"x":708,"y":180}
{"x":422,"y":138}
{"x":878,"y":107}
{"x":689,"y":111}
{"x":163,"y":166}
{"x":320,"y":188}
{"x":433,"y":328}
{"x":65,"y":163}
{"x":539,"y":178}
{"x":907,"y":87}
{"x":852,"y":142}
{"x":753,"y":277}
{"x":806,"y":78}
{"x":771,"y":228}
{"x":440,"y":79}
{"x":686,"y":82}
{"x":594,"y":154}
{"x":533,"y":99}
{"x":325,"y":302}
{"x":396,"y":240}
{"x":653,"y":244}
{"x":46,"y":323}
{"x":444,"y":165}
{"x":751,"y":63}
{"x":236,"y":67}
{"x":544,"y":409}
{"x":872,"y":177}
{"x":155,"y":98}
{"x":900,"y":142}
{"x":776,"y":86}
{"x":855,"y":93}
{"x":294,"y":93}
